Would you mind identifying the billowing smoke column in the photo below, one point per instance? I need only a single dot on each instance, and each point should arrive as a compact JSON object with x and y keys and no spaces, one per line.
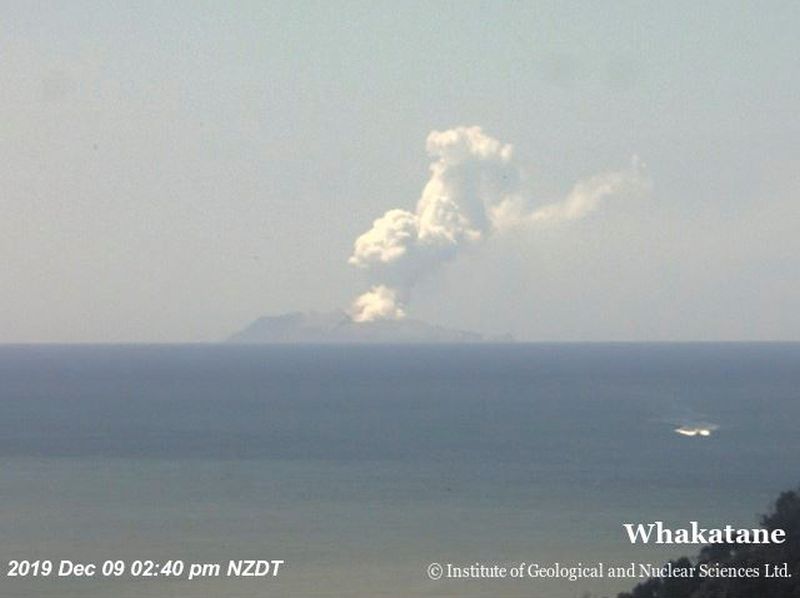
{"x":474,"y":191}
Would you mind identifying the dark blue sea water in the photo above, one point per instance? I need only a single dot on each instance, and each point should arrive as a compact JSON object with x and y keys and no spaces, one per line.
{"x":358,"y":466}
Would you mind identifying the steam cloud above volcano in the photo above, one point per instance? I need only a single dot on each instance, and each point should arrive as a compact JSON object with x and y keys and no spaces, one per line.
{"x":475,"y":190}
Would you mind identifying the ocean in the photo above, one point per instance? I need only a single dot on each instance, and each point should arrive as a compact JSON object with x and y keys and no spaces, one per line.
{"x":358,"y":466}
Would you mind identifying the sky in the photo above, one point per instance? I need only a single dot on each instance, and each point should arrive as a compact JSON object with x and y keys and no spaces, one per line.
{"x":172,"y":171}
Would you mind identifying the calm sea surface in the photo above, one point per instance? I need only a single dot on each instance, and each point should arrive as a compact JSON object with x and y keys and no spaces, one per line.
{"x":359,"y":466}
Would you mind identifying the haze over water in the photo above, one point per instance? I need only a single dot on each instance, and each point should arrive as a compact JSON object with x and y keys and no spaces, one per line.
{"x":360,"y":465}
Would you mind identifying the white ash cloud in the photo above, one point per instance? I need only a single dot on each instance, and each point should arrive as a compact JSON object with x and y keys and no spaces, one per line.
{"x":586,"y":197}
{"x":474,"y":191}
{"x":379,"y":303}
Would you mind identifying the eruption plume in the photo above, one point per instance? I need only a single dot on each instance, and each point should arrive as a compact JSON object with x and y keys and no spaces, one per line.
{"x":475,"y":190}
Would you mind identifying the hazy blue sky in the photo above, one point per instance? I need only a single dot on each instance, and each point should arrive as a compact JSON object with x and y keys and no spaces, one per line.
{"x":171,"y":170}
